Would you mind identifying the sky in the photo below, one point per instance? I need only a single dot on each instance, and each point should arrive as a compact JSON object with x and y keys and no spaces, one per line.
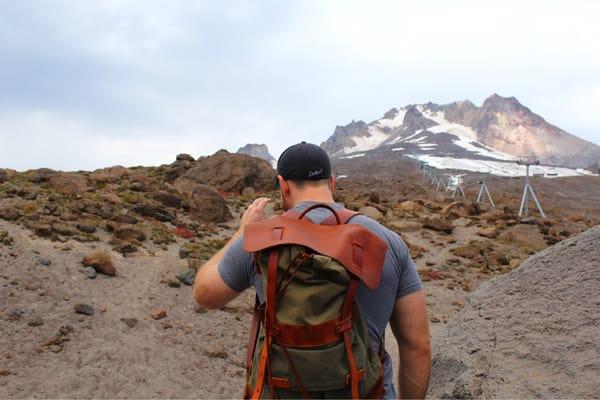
{"x":88,"y":84}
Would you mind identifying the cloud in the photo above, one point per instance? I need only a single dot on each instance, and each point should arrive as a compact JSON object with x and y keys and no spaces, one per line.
{"x":127,"y":82}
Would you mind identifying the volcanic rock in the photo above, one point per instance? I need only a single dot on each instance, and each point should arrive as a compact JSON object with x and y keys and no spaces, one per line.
{"x":438,"y":224}
{"x":187,"y":277}
{"x":168,"y":199}
{"x":84,"y":309}
{"x":159,"y":213}
{"x":207,"y":205}
{"x":68,"y":183}
{"x":231,"y":172}
{"x":101,"y":261}
{"x":411,"y":206}
{"x":527,"y":334}
{"x":10,"y":214}
{"x":489,"y":232}
{"x":527,"y":236}
{"x":184,"y":157}
{"x":158,"y":313}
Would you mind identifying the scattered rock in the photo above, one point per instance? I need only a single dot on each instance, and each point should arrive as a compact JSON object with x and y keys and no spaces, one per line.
{"x":55,"y":348}
{"x":411,"y":206}
{"x":438,"y":224}
{"x":159,"y":213}
{"x":129,"y":233}
{"x":14,"y":314}
{"x":37,"y":321}
{"x":4,"y":372}
{"x":84,"y":309}
{"x":10,"y":214}
{"x":43,"y":231}
{"x":187,"y":277}
{"x":130,"y":322}
{"x":86,"y":228}
{"x":44,"y":261}
{"x":101,"y":261}
{"x":183,"y":252}
{"x":206,"y":204}
{"x":489,"y":232}
{"x":527,"y":236}
{"x":174,"y":283}
{"x":158,"y":313}
{"x":90,"y":272}
{"x":167,"y":324}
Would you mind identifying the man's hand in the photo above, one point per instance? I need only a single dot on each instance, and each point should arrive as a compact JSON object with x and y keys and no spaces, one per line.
{"x":254,"y":213}
{"x":210,"y":290}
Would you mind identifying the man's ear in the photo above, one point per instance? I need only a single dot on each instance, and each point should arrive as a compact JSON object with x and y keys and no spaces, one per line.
{"x":283,"y":185}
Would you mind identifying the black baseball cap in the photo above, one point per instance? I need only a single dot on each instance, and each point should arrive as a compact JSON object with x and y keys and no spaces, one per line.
{"x":304,"y":162}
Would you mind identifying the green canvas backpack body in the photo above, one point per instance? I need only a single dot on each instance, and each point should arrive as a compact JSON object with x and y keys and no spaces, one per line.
{"x":309,"y":340}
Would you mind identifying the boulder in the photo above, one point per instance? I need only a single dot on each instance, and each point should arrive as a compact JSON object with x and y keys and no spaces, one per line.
{"x":168,"y":199}
{"x":489,"y":232}
{"x":231,"y":173}
{"x":158,"y":213}
{"x":438,"y":224}
{"x":109,"y":175}
{"x":68,"y":183}
{"x":41,"y":175}
{"x":411,"y":206}
{"x":3,"y":176}
{"x":128,"y":232}
{"x":101,"y":261}
{"x":9,"y":214}
{"x":528,"y":334}
{"x":184,"y":157}
{"x":206,"y":205}
{"x":527,"y":236}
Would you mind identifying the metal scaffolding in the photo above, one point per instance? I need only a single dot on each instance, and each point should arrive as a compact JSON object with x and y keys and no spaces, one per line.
{"x":524,"y":209}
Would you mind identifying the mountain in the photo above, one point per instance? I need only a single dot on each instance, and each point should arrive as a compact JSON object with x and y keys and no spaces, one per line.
{"x":258,"y":150}
{"x":501,"y":129}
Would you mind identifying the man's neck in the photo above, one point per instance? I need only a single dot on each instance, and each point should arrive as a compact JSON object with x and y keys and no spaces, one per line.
{"x":317,"y":197}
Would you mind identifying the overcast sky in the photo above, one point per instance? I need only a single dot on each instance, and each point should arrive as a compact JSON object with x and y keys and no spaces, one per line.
{"x":88,"y":84}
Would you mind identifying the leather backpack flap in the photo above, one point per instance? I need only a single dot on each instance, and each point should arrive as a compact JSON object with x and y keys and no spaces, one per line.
{"x":354,"y":246}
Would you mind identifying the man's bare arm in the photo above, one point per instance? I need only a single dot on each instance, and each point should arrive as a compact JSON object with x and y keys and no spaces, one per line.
{"x":410,"y":325}
{"x":210,"y":290}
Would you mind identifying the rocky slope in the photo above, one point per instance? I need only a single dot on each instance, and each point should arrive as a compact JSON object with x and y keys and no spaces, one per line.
{"x":529,"y":334}
{"x":259,"y":151}
{"x":501,"y":129}
{"x":96,"y":267}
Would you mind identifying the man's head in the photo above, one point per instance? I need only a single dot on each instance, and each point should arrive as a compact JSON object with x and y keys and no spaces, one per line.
{"x":304,"y":173}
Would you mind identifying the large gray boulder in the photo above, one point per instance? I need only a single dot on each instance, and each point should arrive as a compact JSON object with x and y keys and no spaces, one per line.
{"x":532,"y":333}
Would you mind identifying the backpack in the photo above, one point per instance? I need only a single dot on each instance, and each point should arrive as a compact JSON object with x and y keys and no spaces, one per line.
{"x":309,"y":340}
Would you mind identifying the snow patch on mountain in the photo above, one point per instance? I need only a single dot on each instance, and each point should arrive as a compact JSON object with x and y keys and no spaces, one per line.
{"x":374,"y":138}
{"x":500,"y":168}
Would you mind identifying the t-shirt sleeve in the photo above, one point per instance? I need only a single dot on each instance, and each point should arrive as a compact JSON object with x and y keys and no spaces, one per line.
{"x":236,"y":267}
{"x":409,"y":281}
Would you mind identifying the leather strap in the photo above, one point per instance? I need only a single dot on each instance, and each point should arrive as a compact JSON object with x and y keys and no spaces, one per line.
{"x":347,"y":313}
{"x":253,"y":337}
{"x":311,"y":335}
{"x":342,"y":243}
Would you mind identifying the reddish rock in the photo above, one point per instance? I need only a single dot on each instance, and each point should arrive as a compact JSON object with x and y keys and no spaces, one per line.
{"x":158,"y":313}
{"x":527,"y":236}
{"x":438,"y":224}
{"x":68,"y":183}
{"x":101,"y":261}
{"x":411,"y":206}
{"x":489,"y":232}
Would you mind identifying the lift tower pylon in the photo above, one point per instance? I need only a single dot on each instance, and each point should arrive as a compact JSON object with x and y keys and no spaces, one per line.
{"x":524,"y":209}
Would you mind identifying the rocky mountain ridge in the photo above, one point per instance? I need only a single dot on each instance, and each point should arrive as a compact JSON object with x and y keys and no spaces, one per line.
{"x":258,"y":150}
{"x":502,"y":128}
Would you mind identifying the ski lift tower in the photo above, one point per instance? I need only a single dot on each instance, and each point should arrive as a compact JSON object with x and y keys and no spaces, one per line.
{"x":484,"y":189}
{"x":524,"y":209}
{"x":455,"y":185}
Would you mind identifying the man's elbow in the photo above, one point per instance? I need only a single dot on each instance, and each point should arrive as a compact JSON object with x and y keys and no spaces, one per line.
{"x":420,"y":349}
{"x":203,"y":297}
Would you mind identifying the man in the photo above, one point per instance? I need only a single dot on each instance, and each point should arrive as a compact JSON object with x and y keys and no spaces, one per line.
{"x":304,"y":178}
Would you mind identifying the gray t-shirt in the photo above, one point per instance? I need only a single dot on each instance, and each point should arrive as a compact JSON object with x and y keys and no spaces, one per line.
{"x":399,"y":278}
